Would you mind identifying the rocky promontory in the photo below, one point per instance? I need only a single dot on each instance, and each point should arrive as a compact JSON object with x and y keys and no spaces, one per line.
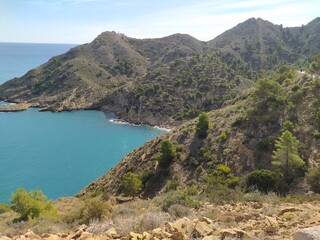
{"x":15,"y":107}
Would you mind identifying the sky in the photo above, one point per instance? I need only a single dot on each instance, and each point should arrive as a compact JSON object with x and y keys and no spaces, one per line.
{"x":80,"y":21}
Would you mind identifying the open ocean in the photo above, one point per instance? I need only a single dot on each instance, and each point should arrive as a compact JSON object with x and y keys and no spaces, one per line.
{"x":58,"y":153}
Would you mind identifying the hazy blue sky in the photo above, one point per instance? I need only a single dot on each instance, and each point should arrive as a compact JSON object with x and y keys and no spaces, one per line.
{"x":80,"y":21}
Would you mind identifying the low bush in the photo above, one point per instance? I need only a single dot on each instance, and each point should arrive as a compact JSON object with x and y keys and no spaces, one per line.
{"x":4,"y":208}
{"x":178,"y":211}
{"x":94,"y":209}
{"x":313,"y":178}
{"x":172,"y":185}
{"x":179,"y":197}
{"x":31,"y":205}
{"x":257,"y":196}
{"x":263,"y":180}
{"x":140,"y":222}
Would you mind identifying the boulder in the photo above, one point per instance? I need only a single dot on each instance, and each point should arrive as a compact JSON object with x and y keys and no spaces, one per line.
{"x":160,"y":233}
{"x":135,"y":236}
{"x":211,"y":237}
{"x":77,"y":234}
{"x":86,"y":235}
{"x":184,"y":225}
{"x":311,"y":233}
{"x":202,"y":229}
{"x":289,"y":209}
{"x":111,"y":233}
{"x":178,"y":236}
{"x":5,"y":238}
{"x":31,"y":235}
{"x":146,"y":236}
{"x":48,"y":236}
{"x":272,"y":225}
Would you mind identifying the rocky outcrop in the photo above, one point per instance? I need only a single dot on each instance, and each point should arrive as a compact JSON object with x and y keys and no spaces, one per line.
{"x":250,"y":220}
{"x":15,"y":107}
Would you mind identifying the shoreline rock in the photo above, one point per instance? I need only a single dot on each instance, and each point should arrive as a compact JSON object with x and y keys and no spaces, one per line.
{"x":15,"y":107}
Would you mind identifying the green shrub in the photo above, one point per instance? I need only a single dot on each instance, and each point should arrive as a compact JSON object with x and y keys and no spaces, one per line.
{"x":313,"y":178}
{"x":263,"y":180}
{"x":316,"y":134}
{"x":288,"y":125}
{"x":130,"y":184}
{"x":178,"y":211}
{"x":31,"y":205}
{"x":181,"y":198}
{"x":166,"y":153}
{"x":257,"y":196}
{"x":223,"y":136}
{"x":233,"y":182}
{"x":172,"y":185}
{"x":223,"y":169}
{"x":94,"y":210}
{"x":191,"y":191}
{"x":144,"y":176}
{"x":295,"y":88}
{"x":4,"y":208}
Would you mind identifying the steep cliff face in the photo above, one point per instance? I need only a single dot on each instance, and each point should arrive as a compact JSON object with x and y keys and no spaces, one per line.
{"x":165,"y":80}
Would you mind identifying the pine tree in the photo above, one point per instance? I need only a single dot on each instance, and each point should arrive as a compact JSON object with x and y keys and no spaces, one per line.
{"x":166,"y":153}
{"x":286,"y":156}
{"x":203,"y":125}
{"x":130,"y":184}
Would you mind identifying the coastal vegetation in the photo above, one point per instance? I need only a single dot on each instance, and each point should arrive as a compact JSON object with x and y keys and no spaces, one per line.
{"x":246,"y":128}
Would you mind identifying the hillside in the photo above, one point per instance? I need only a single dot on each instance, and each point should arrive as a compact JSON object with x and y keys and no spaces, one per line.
{"x":241,"y":136}
{"x":263,"y":45}
{"x":161,"y":81}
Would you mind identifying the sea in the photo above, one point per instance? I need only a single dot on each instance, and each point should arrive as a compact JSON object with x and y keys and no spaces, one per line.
{"x":57,"y":153}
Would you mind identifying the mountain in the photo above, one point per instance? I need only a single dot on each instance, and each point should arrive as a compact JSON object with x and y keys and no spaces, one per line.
{"x":162,"y":81}
{"x":264,"y":45}
{"x":241,"y":135}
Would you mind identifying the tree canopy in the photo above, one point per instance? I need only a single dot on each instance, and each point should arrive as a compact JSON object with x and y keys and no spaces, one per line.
{"x":202,"y":125}
{"x":31,"y":205}
{"x":166,"y":153}
{"x":130,"y":184}
{"x":286,"y":157}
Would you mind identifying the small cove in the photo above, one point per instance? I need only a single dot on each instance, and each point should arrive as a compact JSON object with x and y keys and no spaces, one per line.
{"x":58,"y":153}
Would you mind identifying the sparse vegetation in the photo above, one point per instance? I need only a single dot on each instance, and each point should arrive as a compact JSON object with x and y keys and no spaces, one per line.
{"x":94,"y":209}
{"x":179,"y":197}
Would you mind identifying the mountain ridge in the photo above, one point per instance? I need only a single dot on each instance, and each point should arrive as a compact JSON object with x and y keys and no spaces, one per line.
{"x":161,"y":81}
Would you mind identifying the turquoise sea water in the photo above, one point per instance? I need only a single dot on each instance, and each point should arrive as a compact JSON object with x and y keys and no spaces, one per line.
{"x":60,"y":153}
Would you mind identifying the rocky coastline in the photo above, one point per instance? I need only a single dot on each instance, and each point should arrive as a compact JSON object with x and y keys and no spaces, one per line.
{"x":15,"y":107}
